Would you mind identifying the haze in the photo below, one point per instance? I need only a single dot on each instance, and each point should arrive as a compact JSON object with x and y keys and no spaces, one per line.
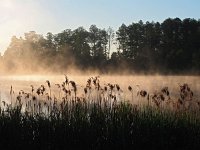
{"x":42,"y":16}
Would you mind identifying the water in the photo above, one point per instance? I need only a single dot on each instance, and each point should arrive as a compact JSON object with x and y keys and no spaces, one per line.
{"x":148,"y":83}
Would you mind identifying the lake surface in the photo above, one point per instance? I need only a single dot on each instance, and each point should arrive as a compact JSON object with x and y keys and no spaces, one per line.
{"x":148,"y":83}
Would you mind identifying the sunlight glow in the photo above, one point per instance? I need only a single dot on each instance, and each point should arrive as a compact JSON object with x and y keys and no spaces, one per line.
{"x":6,"y":4}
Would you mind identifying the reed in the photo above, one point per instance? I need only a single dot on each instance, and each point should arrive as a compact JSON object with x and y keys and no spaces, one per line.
{"x":100,"y":121}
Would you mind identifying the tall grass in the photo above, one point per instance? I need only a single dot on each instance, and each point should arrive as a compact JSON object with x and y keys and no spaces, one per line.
{"x":97,"y":121}
{"x":121,"y":127}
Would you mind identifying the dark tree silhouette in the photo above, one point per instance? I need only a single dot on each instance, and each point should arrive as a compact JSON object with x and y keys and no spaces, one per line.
{"x":171,"y":46}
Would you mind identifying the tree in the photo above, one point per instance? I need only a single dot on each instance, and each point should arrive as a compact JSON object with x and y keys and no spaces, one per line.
{"x":111,"y":35}
{"x":122,"y":38}
{"x":81,"y":48}
{"x":172,"y":45}
{"x":98,"y":42}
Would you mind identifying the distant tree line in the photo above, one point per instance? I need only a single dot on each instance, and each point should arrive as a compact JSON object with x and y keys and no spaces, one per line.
{"x":170,"y":46}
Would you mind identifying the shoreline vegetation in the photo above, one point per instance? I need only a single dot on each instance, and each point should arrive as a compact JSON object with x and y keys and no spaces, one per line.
{"x":168,"y":47}
{"x":99,"y":119}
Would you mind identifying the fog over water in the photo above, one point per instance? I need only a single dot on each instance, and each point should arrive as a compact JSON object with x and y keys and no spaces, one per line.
{"x":150,"y":83}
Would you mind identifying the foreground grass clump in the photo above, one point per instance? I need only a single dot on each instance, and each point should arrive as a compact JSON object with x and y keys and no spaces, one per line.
{"x":91,"y":126}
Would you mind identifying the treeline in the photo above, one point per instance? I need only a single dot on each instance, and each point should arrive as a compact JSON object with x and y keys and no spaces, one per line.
{"x":171,"y":46}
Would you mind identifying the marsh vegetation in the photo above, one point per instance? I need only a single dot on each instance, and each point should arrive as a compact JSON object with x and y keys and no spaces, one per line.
{"x":99,"y":115}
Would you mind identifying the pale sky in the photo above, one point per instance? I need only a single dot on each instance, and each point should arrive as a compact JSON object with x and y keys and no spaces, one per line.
{"x":42,"y":16}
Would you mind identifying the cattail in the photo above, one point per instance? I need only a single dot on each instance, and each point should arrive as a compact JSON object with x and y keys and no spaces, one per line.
{"x":192,"y":94}
{"x":162,"y":97}
{"x":63,"y":85}
{"x":32,"y":88}
{"x":48,"y":97}
{"x":85,"y":90}
{"x":129,"y":88}
{"x":70,"y":92}
{"x":38,"y":91}
{"x":98,"y":86}
{"x":48,"y":83}
{"x":95,"y":81}
{"x":27,"y":95}
{"x":65,"y":90}
{"x":180,"y":101}
{"x":22,"y":92}
{"x":66,"y":80}
{"x":117,"y":86}
{"x":154,"y":96}
{"x":19,"y":97}
{"x":148,"y":97}
{"x":73,"y":85}
{"x":111,"y":86}
{"x":105,"y":88}
{"x":157,"y":103}
{"x":33,"y":98}
{"x":114,"y":97}
{"x":78,"y":99}
{"x":143,"y":93}
{"x":165,"y":91}
{"x":11,"y":90}
{"x":89,"y":82}
{"x":42,"y":89}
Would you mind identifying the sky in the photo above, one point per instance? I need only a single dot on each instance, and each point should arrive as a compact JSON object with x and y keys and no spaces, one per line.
{"x":42,"y":16}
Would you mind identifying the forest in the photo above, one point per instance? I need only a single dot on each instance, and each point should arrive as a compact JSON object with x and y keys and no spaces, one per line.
{"x":172,"y":46}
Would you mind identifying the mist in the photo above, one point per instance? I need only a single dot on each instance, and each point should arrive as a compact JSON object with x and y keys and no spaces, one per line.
{"x":140,"y":48}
